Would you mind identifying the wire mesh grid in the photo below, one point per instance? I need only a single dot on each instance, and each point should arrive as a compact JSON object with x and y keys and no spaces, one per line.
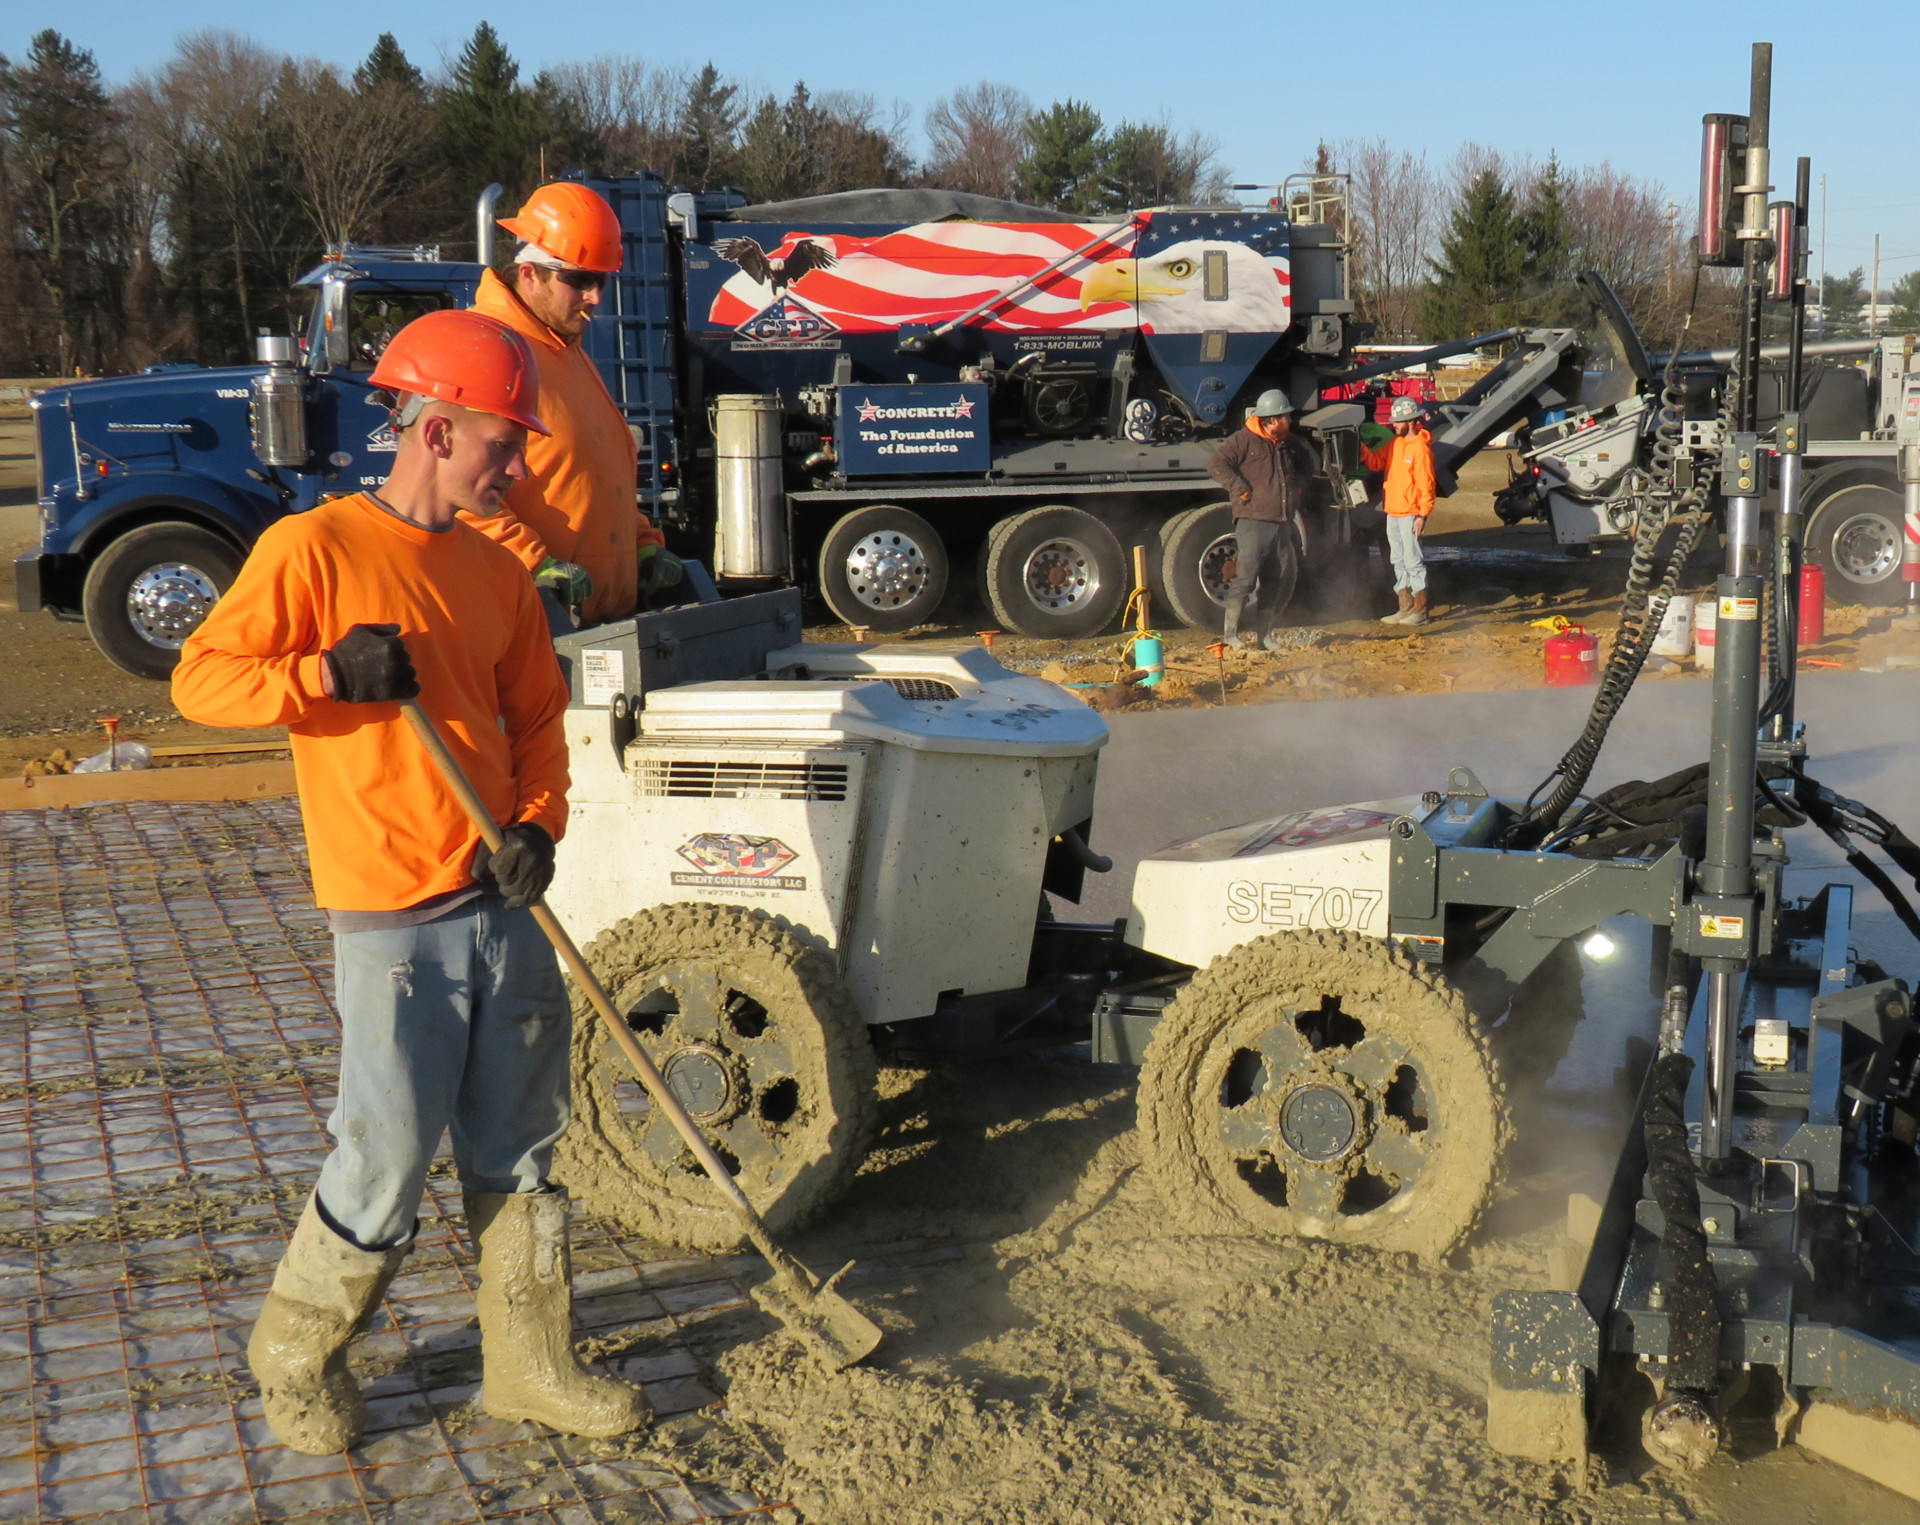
{"x":169,"y":1058}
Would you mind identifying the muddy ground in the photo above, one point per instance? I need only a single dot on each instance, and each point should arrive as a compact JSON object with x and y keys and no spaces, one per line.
{"x":1059,"y":1351}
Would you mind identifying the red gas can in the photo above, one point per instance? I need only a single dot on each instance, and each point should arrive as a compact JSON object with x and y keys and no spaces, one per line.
{"x":1573,"y":657}
{"x":1813,"y":603}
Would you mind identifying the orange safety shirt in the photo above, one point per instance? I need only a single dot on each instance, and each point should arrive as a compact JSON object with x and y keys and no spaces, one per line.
{"x":577,"y":502}
{"x":383,"y":830}
{"x":1407,"y":459}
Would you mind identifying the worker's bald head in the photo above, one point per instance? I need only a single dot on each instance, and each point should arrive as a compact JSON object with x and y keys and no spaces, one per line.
{"x":467,"y":457}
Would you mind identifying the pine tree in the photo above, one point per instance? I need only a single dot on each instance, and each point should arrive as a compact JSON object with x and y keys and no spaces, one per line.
{"x":1478,"y":280}
{"x":387,"y":64}
{"x":58,"y":129}
{"x":487,"y":126}
{"x":1841,"y":297}
{"x":1546,"y":251}
{"x":1066,"y":157}
{"x":709,"y":122}
{"x":1905,"y":317}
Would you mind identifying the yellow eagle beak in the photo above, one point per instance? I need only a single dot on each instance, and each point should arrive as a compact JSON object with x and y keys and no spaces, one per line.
{"x":1115,"y":281}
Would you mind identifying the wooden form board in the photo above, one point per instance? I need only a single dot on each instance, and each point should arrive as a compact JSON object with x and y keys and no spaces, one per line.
{"x":240,"y":781}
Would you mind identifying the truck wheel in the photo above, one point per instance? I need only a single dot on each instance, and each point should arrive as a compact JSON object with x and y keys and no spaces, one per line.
{"x":883,"y":567}
{"x":1855,"y":533}
{"x":150,"y":589}
{"x":1055,"y":571}
{"x":755,"y":1033}
{"x":1320,"y":1085}
{"x":1197,"y":558}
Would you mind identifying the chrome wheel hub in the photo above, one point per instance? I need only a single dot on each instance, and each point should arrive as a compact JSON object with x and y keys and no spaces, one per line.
{"x":166,"y":603}
{"x":1060,"y":575}
{"x":1866,"y":548}
{"x":886,"y":569}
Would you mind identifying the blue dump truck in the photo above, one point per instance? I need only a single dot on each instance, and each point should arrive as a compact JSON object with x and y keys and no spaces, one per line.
{"x":858,"y":393}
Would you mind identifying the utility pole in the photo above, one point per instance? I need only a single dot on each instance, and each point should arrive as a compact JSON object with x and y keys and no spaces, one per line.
{"x":1873,"y":293}
{"x":1823,"y":256}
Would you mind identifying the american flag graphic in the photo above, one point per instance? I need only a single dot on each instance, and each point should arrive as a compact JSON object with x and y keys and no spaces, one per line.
{"x":932,"y":272}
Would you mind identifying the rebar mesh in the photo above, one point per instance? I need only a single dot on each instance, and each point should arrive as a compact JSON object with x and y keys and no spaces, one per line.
{"x":167,"y":1060}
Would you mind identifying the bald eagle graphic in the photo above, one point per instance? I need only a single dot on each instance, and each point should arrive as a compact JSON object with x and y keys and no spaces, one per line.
{"x":1193,"y":287}
{"x":808,"y":254}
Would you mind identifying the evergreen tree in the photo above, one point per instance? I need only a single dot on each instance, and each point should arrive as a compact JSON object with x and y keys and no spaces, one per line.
{"x":58,"y":123}
{"x":1841,"y":298}
{"x":1478,"y":280}
{"x":1905,"y":317}
{"x":778,"y":156}
{"x":709,"y":122}
{"x":1066,"y":156}
{"x":386,"y":65}
{"x":1546,"y":251}
{"x":488,"y":129}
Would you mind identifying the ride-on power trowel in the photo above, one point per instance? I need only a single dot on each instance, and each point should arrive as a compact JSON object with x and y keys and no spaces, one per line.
{"x":794,"y":854}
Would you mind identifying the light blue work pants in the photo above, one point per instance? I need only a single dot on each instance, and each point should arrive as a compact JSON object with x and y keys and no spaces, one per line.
{"x":460,"y":1023}
{"x":1403,"y":543}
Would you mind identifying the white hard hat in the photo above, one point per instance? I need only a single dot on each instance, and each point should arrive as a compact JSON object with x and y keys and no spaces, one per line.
{"x":1272,"y":404}
{"x":1404,"y":410}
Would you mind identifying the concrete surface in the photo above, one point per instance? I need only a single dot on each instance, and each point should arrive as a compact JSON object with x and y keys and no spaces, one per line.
{"x":1175,"y":775}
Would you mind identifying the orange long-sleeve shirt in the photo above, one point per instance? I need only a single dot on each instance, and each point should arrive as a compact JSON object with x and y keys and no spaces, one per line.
{"x":1407,"y":459}
{"x":577,"y":502}
{"x":383,"y":830}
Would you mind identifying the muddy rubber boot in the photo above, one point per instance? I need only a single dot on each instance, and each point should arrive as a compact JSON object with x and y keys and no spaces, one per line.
{"x":1418,"y":616}
{"x":1399,"y":616}
{"x":324,"y":1293}
{"x":525,"y":1299}
{"x":1230,"y":630}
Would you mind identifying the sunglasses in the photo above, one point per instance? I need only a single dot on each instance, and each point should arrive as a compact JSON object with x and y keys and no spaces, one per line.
{"x":581,"y":280}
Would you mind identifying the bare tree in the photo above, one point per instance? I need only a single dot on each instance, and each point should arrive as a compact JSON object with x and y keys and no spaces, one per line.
{"x":216,"y":99}
{"x":632,"y":108}
{"x":976,"y":137}
{"x":1396,"y":214}
{"x":344,"y":148}
{"x":1620,"y":227}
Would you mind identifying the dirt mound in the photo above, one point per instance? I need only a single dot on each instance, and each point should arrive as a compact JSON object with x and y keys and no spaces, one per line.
{"x":1087,"y":1366}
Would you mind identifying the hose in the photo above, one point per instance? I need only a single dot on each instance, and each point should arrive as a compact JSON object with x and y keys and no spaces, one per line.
{"x":1644,"y":606}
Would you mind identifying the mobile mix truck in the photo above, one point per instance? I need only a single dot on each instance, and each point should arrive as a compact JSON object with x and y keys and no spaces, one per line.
{"x":863,"y":393}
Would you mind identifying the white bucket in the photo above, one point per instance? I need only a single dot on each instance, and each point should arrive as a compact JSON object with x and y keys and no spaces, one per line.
{"x":1674,"y":638}
{"x":1706,"y":616}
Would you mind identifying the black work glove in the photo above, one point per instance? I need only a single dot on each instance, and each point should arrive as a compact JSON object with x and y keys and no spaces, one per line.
{"x":370,"y":666}
{"x":523,"y":867}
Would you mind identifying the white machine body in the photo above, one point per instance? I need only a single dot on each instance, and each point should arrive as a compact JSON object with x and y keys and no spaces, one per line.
{"x":1205,"y":896}
{"x":896,"y":803}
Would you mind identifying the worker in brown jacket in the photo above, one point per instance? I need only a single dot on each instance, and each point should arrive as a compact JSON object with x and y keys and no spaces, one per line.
{"x":453,"y":1016}
{"x":1265,"y":472}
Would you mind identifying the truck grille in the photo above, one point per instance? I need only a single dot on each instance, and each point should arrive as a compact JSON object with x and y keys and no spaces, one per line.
{"x":744,"y":780}
{"x":923,"y":690}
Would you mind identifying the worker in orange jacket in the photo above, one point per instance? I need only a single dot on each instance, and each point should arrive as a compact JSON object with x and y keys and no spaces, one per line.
{"x":573,"y":521}
{"x":1407,"y":497}
{"x":452,"y":1010}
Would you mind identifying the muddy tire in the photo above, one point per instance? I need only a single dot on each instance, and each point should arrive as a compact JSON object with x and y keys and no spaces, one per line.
{"x":150,"y":589}
{"x":1055,"y":572}
{"x":1196,"y":555}
{"x":883,"y":567}
{"x":757,"y":1036}
{"x":1320,"y":1085}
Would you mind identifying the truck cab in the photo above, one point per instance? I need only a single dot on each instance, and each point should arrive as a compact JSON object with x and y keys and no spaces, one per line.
{"x":153,"y":487}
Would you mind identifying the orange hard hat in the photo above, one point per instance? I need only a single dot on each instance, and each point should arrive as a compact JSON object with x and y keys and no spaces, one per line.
{"x":571,"y":223}
{"x":466,"y":358}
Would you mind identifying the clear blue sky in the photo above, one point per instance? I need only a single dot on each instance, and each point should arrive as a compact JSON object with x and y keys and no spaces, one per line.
{"x":1626,"y":81}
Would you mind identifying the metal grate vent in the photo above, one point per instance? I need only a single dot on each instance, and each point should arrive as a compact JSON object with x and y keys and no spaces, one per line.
{"x":682,"y":779}
{"x":923,"y":690}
